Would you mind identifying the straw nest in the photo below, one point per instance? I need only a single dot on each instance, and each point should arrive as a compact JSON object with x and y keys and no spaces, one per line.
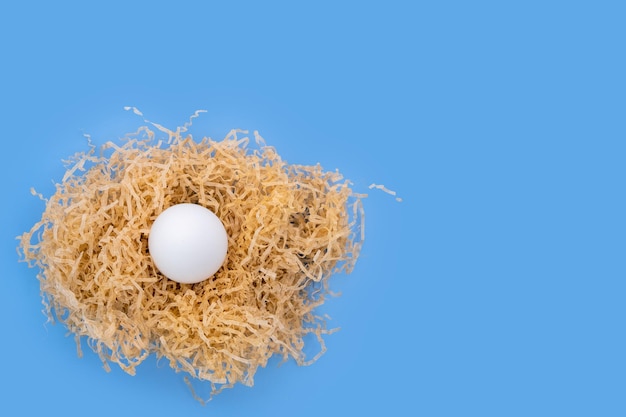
{"x":290,"y":228}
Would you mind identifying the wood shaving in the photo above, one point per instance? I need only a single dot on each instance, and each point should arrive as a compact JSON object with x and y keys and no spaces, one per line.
{"x":386,"y":190}
{"x":290,"y":228}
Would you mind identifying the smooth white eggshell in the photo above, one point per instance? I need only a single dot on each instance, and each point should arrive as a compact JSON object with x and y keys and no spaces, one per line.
{"x":188,"y":243}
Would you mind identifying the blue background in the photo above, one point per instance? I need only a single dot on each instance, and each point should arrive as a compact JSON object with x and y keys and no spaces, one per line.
{"x":496,"y":288}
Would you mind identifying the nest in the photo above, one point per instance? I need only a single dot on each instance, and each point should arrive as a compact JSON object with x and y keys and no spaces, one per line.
{"x":290,"y":228}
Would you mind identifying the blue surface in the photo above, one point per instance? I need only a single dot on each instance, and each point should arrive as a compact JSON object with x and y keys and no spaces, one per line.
{"x":497,"y":288}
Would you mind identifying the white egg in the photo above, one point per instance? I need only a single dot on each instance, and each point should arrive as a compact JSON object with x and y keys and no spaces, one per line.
{"x":188,"y":243}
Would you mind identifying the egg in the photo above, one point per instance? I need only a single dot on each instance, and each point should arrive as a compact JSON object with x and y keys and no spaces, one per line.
{"x":188,"y":243}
